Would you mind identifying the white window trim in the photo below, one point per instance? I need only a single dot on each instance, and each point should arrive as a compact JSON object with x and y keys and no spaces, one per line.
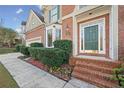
{"x":51,"y":16}
{"x":47,"y":38}
{"x":53,"y":34}
{"x":92,"y":23}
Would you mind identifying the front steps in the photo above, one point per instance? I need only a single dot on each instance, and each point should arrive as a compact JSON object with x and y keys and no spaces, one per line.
{"x":95,"y":72}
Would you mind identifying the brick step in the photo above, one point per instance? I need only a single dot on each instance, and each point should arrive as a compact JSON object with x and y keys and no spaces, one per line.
{"x":91,"y":66}
{"x":93,"y":73}
{"x":96,"y":81}
{"x":102,"y":63}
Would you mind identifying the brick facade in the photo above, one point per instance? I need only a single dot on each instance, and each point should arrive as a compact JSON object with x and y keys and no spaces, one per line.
{"x":121,"y":31}
{"x":67,"y":9}
{"x":36,"y":32}
{"x":67,"y":23}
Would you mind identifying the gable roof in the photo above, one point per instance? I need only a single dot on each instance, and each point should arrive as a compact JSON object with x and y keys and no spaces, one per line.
{"x":37,"y":15}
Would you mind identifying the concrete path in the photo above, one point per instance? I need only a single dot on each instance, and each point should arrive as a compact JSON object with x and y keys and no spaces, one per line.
{"x":29,"y":76}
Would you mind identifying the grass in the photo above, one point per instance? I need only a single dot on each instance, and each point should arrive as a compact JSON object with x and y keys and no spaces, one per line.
{"x":6,"y":80}
{"x":6,"y":50}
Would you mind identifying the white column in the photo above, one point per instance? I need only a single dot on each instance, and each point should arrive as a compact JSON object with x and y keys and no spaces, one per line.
{"x":75,"y":35}
{"x":114,"y":32}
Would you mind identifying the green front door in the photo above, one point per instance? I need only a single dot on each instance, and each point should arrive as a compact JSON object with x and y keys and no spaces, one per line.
{"x":91,"y":37}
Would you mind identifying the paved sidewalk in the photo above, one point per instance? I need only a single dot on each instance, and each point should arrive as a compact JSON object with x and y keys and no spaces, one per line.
{"x":29,"y":76}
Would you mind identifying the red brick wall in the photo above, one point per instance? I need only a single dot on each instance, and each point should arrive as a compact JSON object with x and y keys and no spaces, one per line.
{"x":67,"y":9}
{"x":67,"y":34}
{"x":121,"y":30}
{"x":36,"y":32}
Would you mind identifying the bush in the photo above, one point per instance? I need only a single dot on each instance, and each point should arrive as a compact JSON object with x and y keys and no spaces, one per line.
{"x":64,"y":45}
{"x":52,"y":57}
{"x":119,"y":75}
{"x":36,"y":44}
{"x":24,"y":50}
{"x":18,"y":47}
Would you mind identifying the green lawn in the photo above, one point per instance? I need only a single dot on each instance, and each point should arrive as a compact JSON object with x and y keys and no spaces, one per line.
{"x":6,"y":50}
{"x":6,"y":80}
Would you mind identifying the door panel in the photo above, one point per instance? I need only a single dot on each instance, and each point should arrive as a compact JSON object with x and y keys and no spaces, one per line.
{"x":91,"y":37}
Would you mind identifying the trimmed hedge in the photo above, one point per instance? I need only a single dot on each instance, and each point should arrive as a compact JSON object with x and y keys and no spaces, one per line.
{"x":18,"y":47}
{"x":36,"y":44}
{"x":64,"y":45}
{"x":24,"y":50}
{"x":49,"y":56}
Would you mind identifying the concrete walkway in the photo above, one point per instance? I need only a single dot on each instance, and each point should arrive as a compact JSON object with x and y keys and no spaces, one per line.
{"x":29,"y":76}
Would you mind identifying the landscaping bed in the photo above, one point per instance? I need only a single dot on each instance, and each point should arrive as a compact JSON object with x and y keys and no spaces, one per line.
{"x":6,"y":80}
{"x":53,"y":60}
{"x":63,"y":72}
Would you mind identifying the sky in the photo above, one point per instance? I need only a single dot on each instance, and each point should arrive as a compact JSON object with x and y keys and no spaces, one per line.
{"x":13,"y":15}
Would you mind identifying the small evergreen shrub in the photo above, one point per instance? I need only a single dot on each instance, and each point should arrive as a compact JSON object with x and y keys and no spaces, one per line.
{"x":52,"y":57}
{"x":64,"y":45}
{"x":119,"y":75}
{"x":24,"y":50}
{"x":36,"y":44}
{"x":18,"y":47}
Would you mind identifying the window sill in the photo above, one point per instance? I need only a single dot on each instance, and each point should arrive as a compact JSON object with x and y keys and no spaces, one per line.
{"x":94,"y":57}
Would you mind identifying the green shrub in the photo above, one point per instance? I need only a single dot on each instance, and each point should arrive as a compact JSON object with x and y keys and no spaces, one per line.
{"x":24,"y":50}
{"x":36,"y":44}
{"x":18,"y":47}
{"x":52,"y":57}
{"x":64,"y":45}
{"x":119,"y":76}
{"x":34,"y":52}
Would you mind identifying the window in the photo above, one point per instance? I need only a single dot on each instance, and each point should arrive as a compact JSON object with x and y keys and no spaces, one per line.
{"x":49,"y":37}
{"x":57,"y":34}
{"x":54,"y":14}
{"x":81,"y":6}
{"x":92,"y":37}
{"x":52,"y":35}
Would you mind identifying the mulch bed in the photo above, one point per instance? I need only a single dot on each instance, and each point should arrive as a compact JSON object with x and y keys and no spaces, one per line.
{"x":64,"y":72}
{"x":22,"y":57}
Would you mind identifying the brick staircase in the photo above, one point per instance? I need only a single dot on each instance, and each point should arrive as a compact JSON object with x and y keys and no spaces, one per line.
{"x":96,"y":72}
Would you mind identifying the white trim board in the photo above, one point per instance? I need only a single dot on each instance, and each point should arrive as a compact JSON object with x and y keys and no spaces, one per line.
{"x":99,"y":22}
{"x":53,"y":32}
{"x":114,"y":32}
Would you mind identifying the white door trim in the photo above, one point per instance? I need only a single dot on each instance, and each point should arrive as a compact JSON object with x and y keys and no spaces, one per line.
{"x":92,"y":23}
{"x":114,"y":33}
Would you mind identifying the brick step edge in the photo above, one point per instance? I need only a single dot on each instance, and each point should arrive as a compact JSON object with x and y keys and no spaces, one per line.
{"x":101,"y":64}
{"x":96,"y":81}
{"x":96,"y":74}
{"x":95,"y":67}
